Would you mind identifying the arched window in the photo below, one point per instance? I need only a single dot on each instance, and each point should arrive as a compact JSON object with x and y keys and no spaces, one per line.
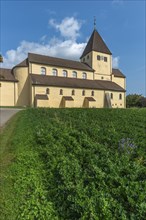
{"x":73,"y":92}
{"x":83,"y":93}
{"x":43,"y":71}
{"x":74,"y":74}
{"x":47,"y":91}
{"x":54,"y":72}
{"x":120,"y":96}
{"x":111,"y":95}
{"x":64,"y":73}
{"x":61,"y":91}
{"x":84,"y":75}
{"x":92,"y":93}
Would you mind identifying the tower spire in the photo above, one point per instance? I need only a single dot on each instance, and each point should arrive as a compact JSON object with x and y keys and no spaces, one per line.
{"x":94,"y":23}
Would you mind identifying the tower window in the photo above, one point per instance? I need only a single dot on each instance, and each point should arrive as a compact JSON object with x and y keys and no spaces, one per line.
{"x":43,"y":71}
{"x":83,"y":59}
{"x":54,"y":72}
{"x":98,"y":57}
{"x":105,"y":59}
{"x":74,"y":74}
{"x":111,"y":95}
{"x":84,"y":75}
{"x":88,"y":57}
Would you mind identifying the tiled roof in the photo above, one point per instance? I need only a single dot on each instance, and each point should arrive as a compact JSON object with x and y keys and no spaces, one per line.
{"x":41,"y":96}
{"x":6,"y":75}
{"x":90,"y":99}
{"x":97,"y":44}
{"x":118,"y":73}
{"x":58,"y":62}
{"x":74,"y":83}
{"x":68,"y":98}
{"x":24,"y":63}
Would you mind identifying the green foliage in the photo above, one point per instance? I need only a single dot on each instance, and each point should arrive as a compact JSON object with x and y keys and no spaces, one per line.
{"x":86,"y":164}
{"x":135,"y":100}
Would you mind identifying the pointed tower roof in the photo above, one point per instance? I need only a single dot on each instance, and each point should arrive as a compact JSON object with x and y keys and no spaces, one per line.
{"x":97,"y":44}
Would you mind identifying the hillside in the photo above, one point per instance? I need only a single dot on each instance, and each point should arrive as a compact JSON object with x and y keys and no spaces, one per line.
{"x":69,"y":164}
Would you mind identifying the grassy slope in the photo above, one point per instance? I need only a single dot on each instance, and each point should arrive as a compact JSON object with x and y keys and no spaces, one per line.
{"x":24,"y":173}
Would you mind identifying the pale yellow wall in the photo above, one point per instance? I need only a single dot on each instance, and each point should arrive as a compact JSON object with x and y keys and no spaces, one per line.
{"x":120,"y":81}
{"x":8,"y":92}
{"x":55,"y":100}
{"x":36,"y":69}
{"x":42,"y":103}
{"x":87,"y":59}
{"x":116,"y":102}
{"x":102,"y":68}
{"x":21,"y":74}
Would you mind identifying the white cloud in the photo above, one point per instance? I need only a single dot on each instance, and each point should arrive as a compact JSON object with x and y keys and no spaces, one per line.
{"x":69,"y":27}
{"x":115,"y":62}
{"x":68,"y":47}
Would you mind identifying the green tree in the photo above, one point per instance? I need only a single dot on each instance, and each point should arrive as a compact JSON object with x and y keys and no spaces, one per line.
{"x":133,"y":100}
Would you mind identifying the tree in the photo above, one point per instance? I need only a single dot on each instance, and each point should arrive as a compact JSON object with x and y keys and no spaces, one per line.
{"x":135,"y":100}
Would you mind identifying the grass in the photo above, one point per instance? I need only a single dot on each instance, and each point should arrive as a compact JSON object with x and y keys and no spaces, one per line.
{"x":7,"y":155}
{"x":38,"y":145}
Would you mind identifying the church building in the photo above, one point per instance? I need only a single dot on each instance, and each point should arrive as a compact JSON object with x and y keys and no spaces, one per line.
{"x":44,"y":81}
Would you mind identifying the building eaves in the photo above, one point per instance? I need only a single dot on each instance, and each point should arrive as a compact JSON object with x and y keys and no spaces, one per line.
{"x":6,"y":75}
{"x":58,"y":62}
{"x":56,"y":81}
{"x":118,"y":73}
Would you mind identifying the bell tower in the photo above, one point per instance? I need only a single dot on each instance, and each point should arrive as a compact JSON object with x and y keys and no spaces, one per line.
{"x":97,"y":55}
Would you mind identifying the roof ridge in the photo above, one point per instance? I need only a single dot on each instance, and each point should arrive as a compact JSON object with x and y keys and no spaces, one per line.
{"x":96,"y":43}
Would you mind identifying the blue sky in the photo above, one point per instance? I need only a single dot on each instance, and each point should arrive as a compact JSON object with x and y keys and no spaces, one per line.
{"x":62,"y":28}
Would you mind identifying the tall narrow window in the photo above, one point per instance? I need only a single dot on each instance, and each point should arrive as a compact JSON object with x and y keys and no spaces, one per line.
{"x":92,"y":93}
{"x":48,"y":91}
{"x":54,"y":72}
{"x":61,"y":91}
{"x":73,"y":92}
{"x":98,"y":57}
{"x":43,"y":71}
{"x":83,"y":93}
{"x":120,"y":96}
{"x":84,"y":75}
{"x":64,"y":73}
{"x":105,"y":59}
{"x":111,"y":95}
{"x":74,"y":74}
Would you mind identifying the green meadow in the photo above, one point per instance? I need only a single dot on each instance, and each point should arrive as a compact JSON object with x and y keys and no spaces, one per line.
{"x":70,"y":164}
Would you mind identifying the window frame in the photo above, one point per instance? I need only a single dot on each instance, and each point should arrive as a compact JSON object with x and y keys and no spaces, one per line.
{"x":120,"y":96}
{"x":64,"y":71}
{"x":56,"y":73}
{"x":74,"y":72}
{"x":47,"y":91}
{"x":73,"y":92}
{"x":61,"y":92}
{"x":83,"y":92}
{"x":92,"y":93}
{"x":43,"y":71}
{"x":84,"y":74}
